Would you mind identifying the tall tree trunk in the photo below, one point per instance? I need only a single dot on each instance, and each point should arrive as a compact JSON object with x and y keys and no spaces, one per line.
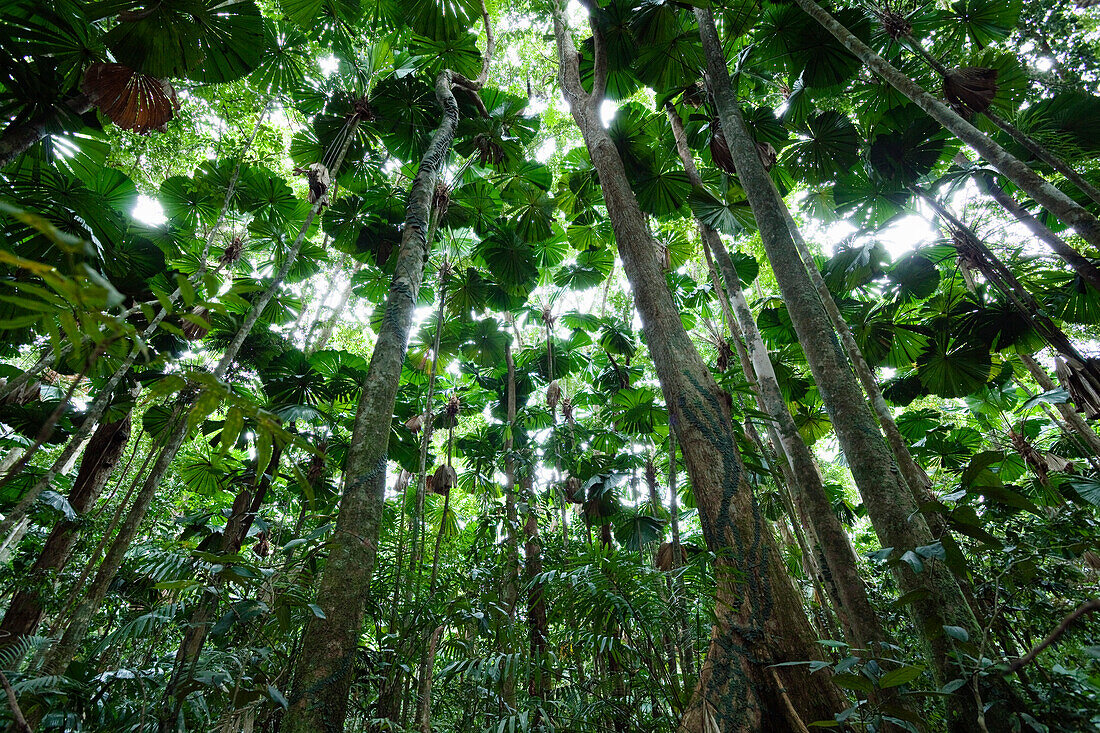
{"x":1084,"y":267}
{"x":1044,"y":193}
{"x":971,"y":247}
{"x":1028,"y":142}
{"x":536,"y":598}
{"x":760,"y":618}
{"x":889,"y":501}
{"x":510,"y":581}
{"x":424,"y":689}
{"x":100,"y":458}
{"x":320,"y":698}
{"x":855,"y":610}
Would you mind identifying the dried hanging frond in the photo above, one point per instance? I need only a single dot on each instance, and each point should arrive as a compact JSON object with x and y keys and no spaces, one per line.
{"x":415,"y":423}
{"x":1040,"y":463}
{"x":194,"y":331}
{"x":573,"y":490}
{"x":970,"y":90}
{"x":262,"y":548}
{"x":441,"y":199}
{"x":1087,"y":3}
{"x":319,"y":181}
{"x":133,"y":101}
{"x":488,"y":149}
{"x":453,"y":407}
{"x":232,"y":253}
{"x":548,"y":316}
{"x":443,"y":480}
{"x":364,"y":111}
{"x":567,"y":410}
{"x":695,"y":95}
{"x":665,"y":555}
{"x":720,"y":149}
{"x":725,"y":355}
{"x":402,"y":483}
{"x":896,"y":25}
{"x":553,"y":396}
{"x":666,"y":258}
{"x":1078,"y":379}
{"x":50,"y":377}
{"x":766,"y":153}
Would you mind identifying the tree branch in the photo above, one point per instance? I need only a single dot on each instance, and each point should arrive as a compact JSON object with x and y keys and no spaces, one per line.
{"x":569,"y":72}
{"x":21,"y":724}
{"x":1085,"y":608}
{"x":490,"y":47}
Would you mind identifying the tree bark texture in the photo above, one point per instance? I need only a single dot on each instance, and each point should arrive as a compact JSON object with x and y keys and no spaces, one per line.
{"x":760,"y":617}
{"x":320,"y":698}
{"x":889,"y":502}
{"x":815,"y":509}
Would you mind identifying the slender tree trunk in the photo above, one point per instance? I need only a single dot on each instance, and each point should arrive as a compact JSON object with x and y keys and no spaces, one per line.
{"x":424,"y":689}
{"x":760,"y":617}
{"x":889,"y":501}
{"x":100,"y":458}
{"x":536,"y":598}
{"x":510,"y":581}
{"x":62,"y":654}
{"x":1084,"y":267}
{"x":1044,"y":193}
{"x":969,"y":245}
{"x":106,"y":393}
{"x":320,"y":698}
{"x":246,"y":506}
{"x":330,"y":325}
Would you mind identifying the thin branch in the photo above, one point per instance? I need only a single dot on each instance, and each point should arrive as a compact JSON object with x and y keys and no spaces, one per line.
{"x":490,"y":47}
{"x":21,"y":724}
{"x":1085,"y":608}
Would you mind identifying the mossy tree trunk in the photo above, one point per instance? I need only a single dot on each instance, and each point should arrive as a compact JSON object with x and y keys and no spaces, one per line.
{"x":938,"y":600}
{"x":320,"y":698}
{"x":760,"y":617}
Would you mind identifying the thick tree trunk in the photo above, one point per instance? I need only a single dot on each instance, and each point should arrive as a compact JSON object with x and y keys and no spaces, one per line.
{"x":1044,"y":193}
{"x":760,"y":617}
{"x":100,"y":458}
{"x":859,"y":618}
{"x":889,"y":501}
{"x":320,"y":698}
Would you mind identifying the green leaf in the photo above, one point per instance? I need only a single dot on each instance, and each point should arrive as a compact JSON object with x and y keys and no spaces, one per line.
{"x":899,"y":676}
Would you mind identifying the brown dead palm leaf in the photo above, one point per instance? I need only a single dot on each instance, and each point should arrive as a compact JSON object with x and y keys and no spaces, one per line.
{"x":970,"y":90}
{"x":133,"y":101}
